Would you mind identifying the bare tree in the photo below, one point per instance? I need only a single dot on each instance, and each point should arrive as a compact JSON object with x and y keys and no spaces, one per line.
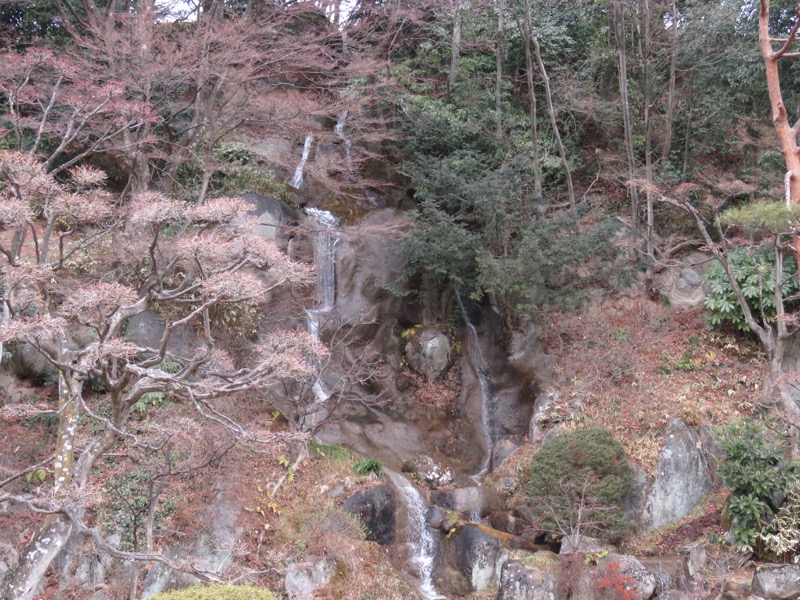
{"x":73,"y":280}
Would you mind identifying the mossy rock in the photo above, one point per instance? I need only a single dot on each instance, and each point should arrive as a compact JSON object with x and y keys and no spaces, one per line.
{"x":218,"y":592}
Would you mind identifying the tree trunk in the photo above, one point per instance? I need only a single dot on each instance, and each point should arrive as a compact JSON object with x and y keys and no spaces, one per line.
{"x":787,"y":133}
{"x":498,"y":89}
{"x":527,"y":33}
{"x":554,"y":121}
{"x":455,"y":49}
{"x":673,"y":70}
{"x":619,"y":36}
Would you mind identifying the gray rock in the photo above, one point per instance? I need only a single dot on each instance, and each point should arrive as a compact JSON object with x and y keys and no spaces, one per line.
{"x":641,"y":581}
{"x":479,"y":557}
{"x":147,"y":330}
{"x":9,"y":559}
{"x":541,"y":413}
{"x":584,"y":545}
{"x":777,"y":582}
{"x":669,"y":571}
{"x":430,"y":470}
{"x":27,"y":363}
{"x":375,"y":508}
{"x":682,"y":478}
{"x":274,"y":216}
{"x":522,"y":582}
{"x":478,"y":501}
{"x":734,"y":590}
{"x":694,"y":558}
{"x":303,"y":581}
{"x":428,"y":353}
{"x":504,"y":448}
{"x":682,"y":284}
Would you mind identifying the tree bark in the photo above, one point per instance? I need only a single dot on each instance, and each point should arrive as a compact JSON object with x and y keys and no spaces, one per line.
{"x":527,"y":33}
{"x":619,"y":35}
{"x":554,"y":121}
{"x":455,"y":48}
{"x":673,"y":70}
{"x":498,"y":89}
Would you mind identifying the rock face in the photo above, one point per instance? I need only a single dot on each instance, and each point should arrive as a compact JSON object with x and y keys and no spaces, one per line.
{"x":302,"y":581}
{"x":274,"y":216}
{"x":777,"y":582}
{"x":681,"y":480}
{"x":9,"y":559}
{"x":471,"y":501}
{"x":472,"y":561}
{"x":683,"y":284}
{"x":375,"y":508}
{"x":429,"y":470}
{"x":640,"y":582}
{"x":584,"y":545}
{"x":522,"y":582}
{"x":428,"y":353}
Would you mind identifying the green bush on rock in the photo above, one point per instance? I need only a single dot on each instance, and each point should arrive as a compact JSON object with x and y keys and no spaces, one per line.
{"x":218,"y":592}
{"x":579,"y":483}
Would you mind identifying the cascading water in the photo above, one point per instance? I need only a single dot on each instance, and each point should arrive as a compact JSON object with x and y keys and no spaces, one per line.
{"x":487,"y":399}
{"x":419,"y":536}
{"x":297,"y":180}
{"x":324,"y":240}
{"x":339,"y":130}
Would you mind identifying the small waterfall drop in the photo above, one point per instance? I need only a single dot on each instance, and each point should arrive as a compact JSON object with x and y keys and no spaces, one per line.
{"x":487,"y":399}
{"x":419,"y":536}
{"x":339,"y":130}
{"x":297,"y":180}
{"x":324,"y":239}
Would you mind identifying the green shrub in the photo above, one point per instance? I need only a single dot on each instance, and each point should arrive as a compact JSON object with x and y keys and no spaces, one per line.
{"x":757,"y":473}
{"x":581,"y":480}
{"x":218,"y":592}
{"x":755,"y":272}
{"x":369,"y":465}
{"x":782,"y":537}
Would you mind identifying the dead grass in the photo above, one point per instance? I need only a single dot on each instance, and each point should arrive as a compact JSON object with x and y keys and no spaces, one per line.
{"x":635,"y":365}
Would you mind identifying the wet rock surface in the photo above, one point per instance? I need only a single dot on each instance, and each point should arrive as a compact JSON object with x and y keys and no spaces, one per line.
{"x":375,"y":508}
{"x":777,"y":582}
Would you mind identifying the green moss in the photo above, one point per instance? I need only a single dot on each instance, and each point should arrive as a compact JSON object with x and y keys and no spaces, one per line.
{"x":218,"y":592}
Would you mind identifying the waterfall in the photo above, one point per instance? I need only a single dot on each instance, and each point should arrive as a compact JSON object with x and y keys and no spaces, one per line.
{"x":339,"y":130}
{"x":324,"y":240}
{"x":419,"y":536}
{"x":297,"y":180}
{"x":487,"y":400}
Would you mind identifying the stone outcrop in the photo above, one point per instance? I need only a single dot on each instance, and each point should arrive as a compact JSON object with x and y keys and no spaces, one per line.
{"x":524,"y":582}
{"x":428,"y":353}
{"x":470,"y":501}
{"x":682,"y":478}
{"x":303,"y":580}
{"x":777,"y":582}
{"x":640,"y":582}
{"x":471,"y":561}
{"x":429,"y":470}
{"x":682,"y":285}
{"x":375,"y":508}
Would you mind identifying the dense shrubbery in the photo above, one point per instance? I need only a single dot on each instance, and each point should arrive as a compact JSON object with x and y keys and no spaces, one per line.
{"x":218,"y":592}
{"x":755,"y":469}
{"x":755,"y":272}
{"x":579,"y":482}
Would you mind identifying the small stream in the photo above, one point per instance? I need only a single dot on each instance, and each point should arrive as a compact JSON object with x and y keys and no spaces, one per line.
{"x":487,"y":399}
{"x":418,"y":535}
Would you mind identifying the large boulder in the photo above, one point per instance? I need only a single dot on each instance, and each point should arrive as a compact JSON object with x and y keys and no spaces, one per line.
{"x":375,"y":508}
{"x":472,"y":561}
{"x":630,"y":573}
{"x":274,"y":216}
{"x":9,"y":559}
{"x":682,"y":478}
{"x":429,"y":470}
{"x":303,"y":580}
{"x":473,"y":502}
{"x":524,"y":582}
{"x":682,"y":284}
{"x":428,"y":353}
{"x":777,"y":582}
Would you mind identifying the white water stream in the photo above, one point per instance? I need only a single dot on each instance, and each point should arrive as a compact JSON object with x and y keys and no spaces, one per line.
{"x":297,"y":180}
{"x":418,"y":536}
{"x":487,"y":399}
{"x":339,"y":130}
{"x":324,"y":239}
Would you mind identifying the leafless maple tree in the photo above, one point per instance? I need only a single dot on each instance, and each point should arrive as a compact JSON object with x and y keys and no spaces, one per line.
{"x":76,"y":268}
